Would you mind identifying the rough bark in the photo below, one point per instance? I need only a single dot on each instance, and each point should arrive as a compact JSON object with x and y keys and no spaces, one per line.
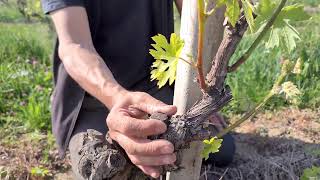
{"x":219,"y":69}
{"x":187,"y":91}
{"x":104,"y":160}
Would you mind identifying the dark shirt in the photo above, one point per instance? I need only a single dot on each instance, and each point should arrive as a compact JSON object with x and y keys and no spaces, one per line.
{"x":121,"y":31}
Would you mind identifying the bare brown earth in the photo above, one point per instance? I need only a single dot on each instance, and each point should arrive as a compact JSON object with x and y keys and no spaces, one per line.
{"x":274,"y":145}
{"x":19,"y":158}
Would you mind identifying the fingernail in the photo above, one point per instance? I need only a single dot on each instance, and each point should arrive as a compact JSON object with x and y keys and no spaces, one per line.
{"x":167,"y":149}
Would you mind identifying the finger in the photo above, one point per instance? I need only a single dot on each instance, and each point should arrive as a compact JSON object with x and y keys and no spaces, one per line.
{"x":151,"y":171}
{"x":154,"y":108}
{"x":151,"y":105}
{"x":153,"y":160}
{"x":136,"y":113}
{"x":146,"y":147}
{"x":130,"y":126}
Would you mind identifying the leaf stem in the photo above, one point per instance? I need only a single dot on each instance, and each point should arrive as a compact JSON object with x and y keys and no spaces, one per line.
{"x":201,"y":23}
{"x":209,"y":13}
{"x":255,"y":44}
{"x":192,"y":64}
{"x":206,"y":12}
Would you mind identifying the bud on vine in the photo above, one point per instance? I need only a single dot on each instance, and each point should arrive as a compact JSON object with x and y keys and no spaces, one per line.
{"x":297,"y":68}
{"x":287,"y":67}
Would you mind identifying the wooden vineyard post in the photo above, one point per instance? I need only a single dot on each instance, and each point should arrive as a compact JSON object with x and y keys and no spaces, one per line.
{"x":187,"y":91}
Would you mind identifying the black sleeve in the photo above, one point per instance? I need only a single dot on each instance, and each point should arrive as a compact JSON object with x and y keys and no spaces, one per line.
{"x":51,"y":5}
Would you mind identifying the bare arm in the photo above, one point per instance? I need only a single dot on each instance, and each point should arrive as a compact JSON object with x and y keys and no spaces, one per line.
{"x":80,"y":58}
{"x":124,"y":121}
{"x":179,"y":5}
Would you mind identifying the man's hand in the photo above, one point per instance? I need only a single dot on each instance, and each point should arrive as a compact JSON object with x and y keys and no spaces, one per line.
{"x":127,"y":125}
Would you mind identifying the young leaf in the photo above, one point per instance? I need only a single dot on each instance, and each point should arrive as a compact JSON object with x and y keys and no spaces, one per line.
{"x":248,"y":12}
{"x":232,"y":11}
{"x":211,"y":146}
{"x":281,"y":34}
{"x":311,"y":173}
{"x":294,"y":13}
{"x":220,"y":3}
{"x":265,"y":9}
{"x":166,"y":57}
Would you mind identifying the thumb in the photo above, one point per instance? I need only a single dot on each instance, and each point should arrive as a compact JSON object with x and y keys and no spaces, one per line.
{"x":151,"y":105}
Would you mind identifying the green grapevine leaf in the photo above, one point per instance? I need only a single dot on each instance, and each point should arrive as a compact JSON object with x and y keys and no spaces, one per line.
{"x":311,"y":173}
{"x":211,"y":146}
{"x":294,"y":13}
{"x":220,"y":3}
{"x":265,"y":9}
{"x":248,"y":12}
{"x":166,"y":56}
{"x":282,"y":33}
{"x":232,"y":10}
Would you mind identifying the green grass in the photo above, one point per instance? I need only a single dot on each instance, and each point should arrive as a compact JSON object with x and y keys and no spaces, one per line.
{"x":26,"y":78}
{"x":255,"y":78}
{"x":9,"y":13}
{"x":25,"y":75}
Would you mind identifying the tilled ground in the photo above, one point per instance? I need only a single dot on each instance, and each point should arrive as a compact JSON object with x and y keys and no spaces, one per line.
{"x":29,"y":159}
{"x":273,"y":146}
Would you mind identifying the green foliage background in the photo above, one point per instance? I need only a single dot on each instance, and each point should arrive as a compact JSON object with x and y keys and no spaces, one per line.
{"x":25,"y":68}
{"x":26,"y":43}
{"x":253,"y":80}
{"x":25,"y":72}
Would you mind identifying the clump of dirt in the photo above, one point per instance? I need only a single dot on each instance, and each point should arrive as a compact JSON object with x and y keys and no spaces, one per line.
{"x":30,"y":159}
{"x":274,"y":145}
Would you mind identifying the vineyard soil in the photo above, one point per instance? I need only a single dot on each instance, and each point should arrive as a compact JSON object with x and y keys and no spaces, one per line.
{"x":274,"y":145}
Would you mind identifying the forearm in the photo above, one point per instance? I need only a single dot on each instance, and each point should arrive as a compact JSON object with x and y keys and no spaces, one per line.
{"x":89,"y":70}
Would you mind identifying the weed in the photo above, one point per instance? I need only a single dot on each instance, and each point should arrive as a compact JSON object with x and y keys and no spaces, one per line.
{"x":40,"y":171}
{"x":257,"y":73}
{"x":25,"y":76}
{"x":312,"y":173}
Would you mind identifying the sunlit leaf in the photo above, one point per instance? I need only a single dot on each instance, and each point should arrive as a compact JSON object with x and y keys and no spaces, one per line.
{"x":166,"y":55}
{"x":211,"y":146}
{"x":232,"y":10}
